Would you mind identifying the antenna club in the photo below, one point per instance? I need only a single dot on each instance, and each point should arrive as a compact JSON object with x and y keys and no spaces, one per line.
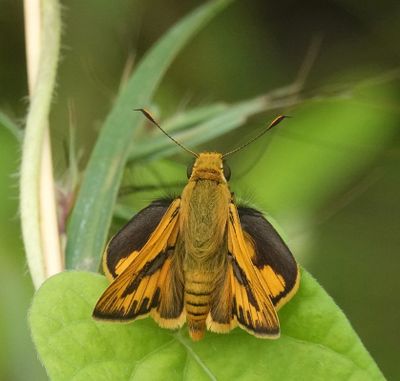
{"x":275,"y":122}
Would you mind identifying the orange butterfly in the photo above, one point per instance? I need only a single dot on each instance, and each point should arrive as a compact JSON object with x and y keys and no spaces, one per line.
{"x":200,"y":259}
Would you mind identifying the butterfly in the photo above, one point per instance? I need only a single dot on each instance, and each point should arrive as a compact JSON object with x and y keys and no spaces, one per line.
{"x":200,"y":259}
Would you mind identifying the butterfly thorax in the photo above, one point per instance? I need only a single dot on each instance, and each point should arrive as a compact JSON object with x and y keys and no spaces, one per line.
{"x":204,"y":209}
{"x":204,"y":212}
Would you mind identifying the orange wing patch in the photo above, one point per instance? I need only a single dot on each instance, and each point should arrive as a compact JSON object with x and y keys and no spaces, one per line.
{"x":140,"y":288}
{"x":274,"y":282}
{"x":121,"y":266}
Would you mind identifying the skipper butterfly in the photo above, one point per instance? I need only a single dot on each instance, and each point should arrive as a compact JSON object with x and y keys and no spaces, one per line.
{"x":200,"y":259}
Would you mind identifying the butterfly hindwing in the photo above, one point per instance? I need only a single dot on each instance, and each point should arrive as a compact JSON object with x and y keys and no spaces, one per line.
{"x":150,"y":281}
{"x":270,"y":256}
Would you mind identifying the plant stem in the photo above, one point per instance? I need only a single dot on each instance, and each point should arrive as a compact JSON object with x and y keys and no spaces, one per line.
{"x":37,"y":199}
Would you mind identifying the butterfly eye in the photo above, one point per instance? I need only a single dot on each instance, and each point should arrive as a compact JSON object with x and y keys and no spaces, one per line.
{"x":189,"y":169}
{"x":227,"y":172}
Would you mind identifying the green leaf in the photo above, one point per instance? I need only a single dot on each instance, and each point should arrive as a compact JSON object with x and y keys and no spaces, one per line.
{"x":91,"y":217}
{"x":317,"y":341}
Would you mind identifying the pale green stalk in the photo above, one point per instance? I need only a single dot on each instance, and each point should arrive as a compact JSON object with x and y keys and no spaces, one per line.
{"x":37,"y":204}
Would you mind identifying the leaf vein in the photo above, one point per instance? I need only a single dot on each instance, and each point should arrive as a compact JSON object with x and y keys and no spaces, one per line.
{"x":195,"y":356}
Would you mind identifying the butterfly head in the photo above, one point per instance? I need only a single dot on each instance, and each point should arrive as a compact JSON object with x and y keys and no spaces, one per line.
{"x":209,"y":166}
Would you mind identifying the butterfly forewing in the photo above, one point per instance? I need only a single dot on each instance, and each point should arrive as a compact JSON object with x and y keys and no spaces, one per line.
{"x":251,"y":304}
{"x":140,"y":288}
{"x":270,"y":256}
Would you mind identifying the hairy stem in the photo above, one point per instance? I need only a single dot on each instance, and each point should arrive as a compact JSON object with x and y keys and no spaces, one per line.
{"x":37,"y":201}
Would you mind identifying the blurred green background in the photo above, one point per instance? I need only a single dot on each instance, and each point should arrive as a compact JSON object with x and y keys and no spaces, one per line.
{"x":329,"y":176}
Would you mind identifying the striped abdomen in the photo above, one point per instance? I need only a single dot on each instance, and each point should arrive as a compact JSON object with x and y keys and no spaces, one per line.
{"x":198,"y":290}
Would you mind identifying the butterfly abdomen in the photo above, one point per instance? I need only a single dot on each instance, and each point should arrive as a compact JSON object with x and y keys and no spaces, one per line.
{"x":198,"y":290}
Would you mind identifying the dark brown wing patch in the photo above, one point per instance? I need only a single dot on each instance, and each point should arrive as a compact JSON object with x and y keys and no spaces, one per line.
{"x":132,"y":237}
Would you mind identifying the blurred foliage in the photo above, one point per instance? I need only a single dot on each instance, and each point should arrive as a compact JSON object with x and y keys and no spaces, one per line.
{"x":329,"y":176}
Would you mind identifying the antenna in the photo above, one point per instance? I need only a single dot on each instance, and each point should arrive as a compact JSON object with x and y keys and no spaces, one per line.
{"x":276,"y":121}
{"x":152,"y":120}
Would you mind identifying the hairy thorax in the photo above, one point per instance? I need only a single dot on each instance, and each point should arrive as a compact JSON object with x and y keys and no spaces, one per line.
{"x":204,"y":213}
